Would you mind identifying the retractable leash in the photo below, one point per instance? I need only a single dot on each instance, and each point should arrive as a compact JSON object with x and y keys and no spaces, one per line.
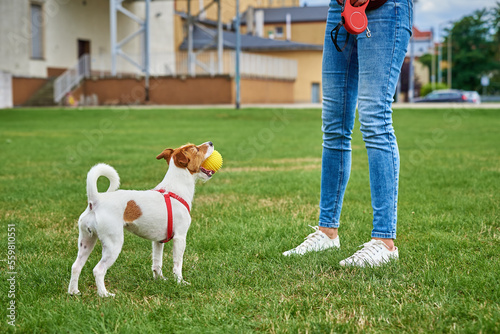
{"x":353,"y":20}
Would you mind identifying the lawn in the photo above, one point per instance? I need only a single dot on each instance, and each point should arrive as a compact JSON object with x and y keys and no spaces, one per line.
{"x":259,"y":205}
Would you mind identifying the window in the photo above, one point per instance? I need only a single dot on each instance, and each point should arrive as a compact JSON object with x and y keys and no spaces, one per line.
{"x":315,"y":97}
{"x":36,"y":31}
{"x":278,"y":32}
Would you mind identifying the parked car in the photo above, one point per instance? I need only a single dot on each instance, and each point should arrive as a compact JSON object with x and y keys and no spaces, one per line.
{"x":444,"y":95}
{"x":473,"y":97}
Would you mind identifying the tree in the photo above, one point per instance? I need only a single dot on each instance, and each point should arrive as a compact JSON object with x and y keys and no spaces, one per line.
{"x":475,"y":43}
{"x":473,"y":50}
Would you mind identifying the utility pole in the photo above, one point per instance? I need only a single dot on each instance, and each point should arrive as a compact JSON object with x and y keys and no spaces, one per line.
{"x":147,"y":52}
{"x":191,"y":64}
{"x":411,"y":84}
{"x":237,"y":55}
{"x":433,"y":64}
{"x":220,"y":39}
{"x":440,"y":52}
{"x":449,"y":59}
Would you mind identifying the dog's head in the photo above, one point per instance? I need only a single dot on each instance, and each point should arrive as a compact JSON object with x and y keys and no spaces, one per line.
{"x":190,"y":157}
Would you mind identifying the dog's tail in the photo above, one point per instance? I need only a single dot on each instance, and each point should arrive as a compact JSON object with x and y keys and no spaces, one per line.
{"x":96,"y":172}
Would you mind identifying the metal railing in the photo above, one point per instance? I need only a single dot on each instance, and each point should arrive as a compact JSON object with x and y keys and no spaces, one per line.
{"x":251,"y":65}
{"x":176,"y":64}
{"x":71,"y":78}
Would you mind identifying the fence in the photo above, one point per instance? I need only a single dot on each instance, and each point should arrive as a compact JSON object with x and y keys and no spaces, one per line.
{"x":206,"y":63}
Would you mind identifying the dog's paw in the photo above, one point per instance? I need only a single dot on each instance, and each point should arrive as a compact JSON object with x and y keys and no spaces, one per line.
{"x":106,"y":294}
{"x":74,"y":292}
{"x":183,"y":282}
{"x":158,"y":275}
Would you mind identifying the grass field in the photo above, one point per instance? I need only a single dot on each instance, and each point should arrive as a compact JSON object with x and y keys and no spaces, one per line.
{"x":257,"y":206}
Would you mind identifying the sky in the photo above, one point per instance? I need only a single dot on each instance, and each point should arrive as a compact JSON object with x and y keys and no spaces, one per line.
{"x":431,"y":13}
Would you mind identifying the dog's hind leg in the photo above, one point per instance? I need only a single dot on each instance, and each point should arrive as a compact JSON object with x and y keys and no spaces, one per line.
{"x":157,"y":259}
{"x":111,"y":248}
{"x":86,"y":243}
{"x":178,"y":255}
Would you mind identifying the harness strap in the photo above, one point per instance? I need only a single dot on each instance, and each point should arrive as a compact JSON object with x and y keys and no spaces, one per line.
{"x":170,"y":216}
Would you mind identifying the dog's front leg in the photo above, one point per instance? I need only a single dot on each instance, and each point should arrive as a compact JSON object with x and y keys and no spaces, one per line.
{"x":157,"y":259}
{"x":178,"y":254}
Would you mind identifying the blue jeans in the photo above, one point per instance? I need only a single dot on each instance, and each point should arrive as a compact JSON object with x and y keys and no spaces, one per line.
{"x":366,"y":73}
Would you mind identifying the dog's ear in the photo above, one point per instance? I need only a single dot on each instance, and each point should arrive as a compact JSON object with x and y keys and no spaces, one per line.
{"x":166,"y":154}
{"x":180,"y":159}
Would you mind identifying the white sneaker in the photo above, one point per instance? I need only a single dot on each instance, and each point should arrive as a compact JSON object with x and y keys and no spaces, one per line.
{"x":314,"y":242}
{"x":373,"y":253}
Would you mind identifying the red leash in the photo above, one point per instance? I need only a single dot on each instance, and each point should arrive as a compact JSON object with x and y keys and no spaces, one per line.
{"x":170,"y":216}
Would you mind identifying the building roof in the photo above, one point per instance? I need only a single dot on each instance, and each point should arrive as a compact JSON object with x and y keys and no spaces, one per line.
{"x":206,"y":22}
{"x":421,"y":35}
{"x":203,"y":36}
{"x":298,"y":14}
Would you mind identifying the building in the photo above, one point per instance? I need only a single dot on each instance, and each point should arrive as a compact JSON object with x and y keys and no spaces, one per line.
{"x":49,"y":42}
{"x":294,"y":24}
{"x":42,"y":39}
{"x":423,"y":42}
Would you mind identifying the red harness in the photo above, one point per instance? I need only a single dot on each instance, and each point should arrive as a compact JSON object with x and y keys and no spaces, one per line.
{"x":170,"y":217}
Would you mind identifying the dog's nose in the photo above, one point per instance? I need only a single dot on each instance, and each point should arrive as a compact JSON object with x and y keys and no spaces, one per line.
{"x":210,"y":143}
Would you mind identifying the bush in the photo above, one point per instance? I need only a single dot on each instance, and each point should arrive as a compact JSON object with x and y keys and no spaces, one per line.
{"x":427,"y":88}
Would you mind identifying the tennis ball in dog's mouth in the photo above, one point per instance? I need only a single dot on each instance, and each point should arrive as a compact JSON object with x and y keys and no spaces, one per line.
{"x":213,"y":162}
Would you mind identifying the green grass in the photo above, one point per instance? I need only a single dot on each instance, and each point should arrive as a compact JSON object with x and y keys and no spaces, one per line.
{"x":257,"y":206}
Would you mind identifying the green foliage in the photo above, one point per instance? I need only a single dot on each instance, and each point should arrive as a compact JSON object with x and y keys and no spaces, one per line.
{"x":475,"y":41}
{"x":258,"y":205}
{"x":475,"y":48}
{"x":427,"y":88}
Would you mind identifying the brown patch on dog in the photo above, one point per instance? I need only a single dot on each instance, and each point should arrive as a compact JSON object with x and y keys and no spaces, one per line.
{"x":188,"y":156}
{"x":132,"y":212}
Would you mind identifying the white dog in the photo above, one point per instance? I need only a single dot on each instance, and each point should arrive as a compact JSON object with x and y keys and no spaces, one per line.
{"x":159,"y":215}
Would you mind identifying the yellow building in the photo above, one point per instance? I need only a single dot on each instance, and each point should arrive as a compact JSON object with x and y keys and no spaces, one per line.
{"x":228,"y":9}
{"x":294,"y":24}
{"x":303,"y":28}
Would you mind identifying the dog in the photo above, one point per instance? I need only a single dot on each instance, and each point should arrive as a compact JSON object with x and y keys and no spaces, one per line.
{"x":144,"y":213}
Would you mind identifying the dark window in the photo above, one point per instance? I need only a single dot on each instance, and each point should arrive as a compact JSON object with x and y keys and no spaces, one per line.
{"x":36,"y":31}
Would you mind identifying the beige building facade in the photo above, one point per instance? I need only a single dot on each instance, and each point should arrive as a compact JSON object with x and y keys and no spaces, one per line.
{"x":43,"y":38}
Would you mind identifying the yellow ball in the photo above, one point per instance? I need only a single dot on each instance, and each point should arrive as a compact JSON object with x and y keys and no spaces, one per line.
{"x":213,"y":162}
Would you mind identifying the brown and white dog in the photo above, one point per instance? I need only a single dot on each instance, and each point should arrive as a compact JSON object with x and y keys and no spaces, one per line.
{"x":143,"y":213}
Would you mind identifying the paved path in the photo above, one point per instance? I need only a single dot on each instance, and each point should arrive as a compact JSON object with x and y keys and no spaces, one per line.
{"x":318,"y":106}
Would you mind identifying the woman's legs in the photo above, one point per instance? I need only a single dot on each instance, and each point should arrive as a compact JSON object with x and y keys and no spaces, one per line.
{"x":370,"y":66}
{"x":379,"y":60}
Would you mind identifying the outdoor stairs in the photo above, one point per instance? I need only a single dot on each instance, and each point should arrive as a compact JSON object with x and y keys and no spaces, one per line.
{"x":44,"y":96}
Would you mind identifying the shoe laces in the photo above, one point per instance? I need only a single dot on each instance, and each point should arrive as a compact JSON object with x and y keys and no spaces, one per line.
{"x":369,"y":250}
{"x":311,"y":238}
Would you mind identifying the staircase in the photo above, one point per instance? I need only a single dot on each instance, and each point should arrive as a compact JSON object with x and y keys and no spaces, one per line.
{"x":44,"y":96}
{"x":71,"y":78}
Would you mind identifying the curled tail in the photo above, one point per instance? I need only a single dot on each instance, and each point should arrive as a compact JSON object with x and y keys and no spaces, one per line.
{"x":94,"y":174}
